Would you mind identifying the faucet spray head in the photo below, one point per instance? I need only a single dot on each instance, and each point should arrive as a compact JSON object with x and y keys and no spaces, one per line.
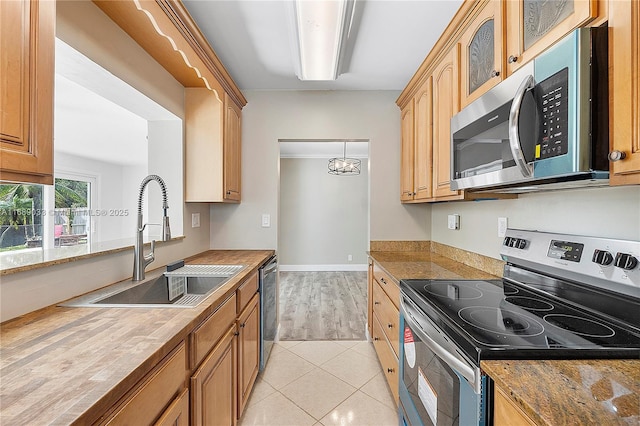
{"x":166,"y":230}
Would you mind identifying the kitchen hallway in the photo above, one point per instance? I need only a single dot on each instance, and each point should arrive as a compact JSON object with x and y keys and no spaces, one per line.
{"x":321,"y":383}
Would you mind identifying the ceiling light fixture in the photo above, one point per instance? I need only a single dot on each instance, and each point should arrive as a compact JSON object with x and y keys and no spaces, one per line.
{"x":344,"y":166}
{"x":323,"y":28}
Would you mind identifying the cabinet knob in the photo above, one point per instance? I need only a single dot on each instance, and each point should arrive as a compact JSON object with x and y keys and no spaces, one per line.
{"x":383,"y":281}
{"x":376,"y":339}
{"x":236,"y":334}
{"x":242,"y":325}
{"x":228,"y":192}
{"x":390,"y":370}
{"x":390,"y":325}
{"x":617,"y":155}
{"x":376,"y":303}
{"x":512,"y":59}
{"x":495,"y":73}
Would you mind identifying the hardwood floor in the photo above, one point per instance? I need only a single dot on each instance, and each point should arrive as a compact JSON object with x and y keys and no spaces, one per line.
{"x":323,"y":305}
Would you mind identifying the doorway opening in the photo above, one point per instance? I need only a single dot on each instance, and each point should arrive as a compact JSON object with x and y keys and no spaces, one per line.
{"x":323,"y":236}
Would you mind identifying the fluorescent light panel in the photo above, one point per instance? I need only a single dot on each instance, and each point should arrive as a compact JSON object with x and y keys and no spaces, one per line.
{"x":321,"y":25}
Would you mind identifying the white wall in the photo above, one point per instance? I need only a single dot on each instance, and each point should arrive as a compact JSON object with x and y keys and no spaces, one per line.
{"x":110,"y":179}
{"x":273,"y":115}
{"x":83,"y":26}
{"x":598,"y":212}
{"x":323,"y":217}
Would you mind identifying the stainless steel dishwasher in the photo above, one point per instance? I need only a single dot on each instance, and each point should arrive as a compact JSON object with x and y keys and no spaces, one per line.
{"x":268,"y":308}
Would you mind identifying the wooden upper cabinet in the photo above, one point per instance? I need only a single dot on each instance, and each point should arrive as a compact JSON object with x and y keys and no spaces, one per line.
{"x":406,"y":155}
{"x":232,"y":150}
{"x":27,"y":40}
{"x":624,"y":51}
{"x":422,"y":171}
{"x":481,"y":52}
{"x":213,"y":156}
{"x":534,"y":25}
{"x":445,"y":104}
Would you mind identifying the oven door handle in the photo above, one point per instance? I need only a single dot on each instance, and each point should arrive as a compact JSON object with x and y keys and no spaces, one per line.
{"x":471,"y":373}
{"x":514,"y":129}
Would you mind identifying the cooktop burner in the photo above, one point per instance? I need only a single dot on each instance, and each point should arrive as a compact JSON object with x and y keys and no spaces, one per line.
{"x":579,"y":325}
{"x":529,"y":303}
{"x":501,"y":321}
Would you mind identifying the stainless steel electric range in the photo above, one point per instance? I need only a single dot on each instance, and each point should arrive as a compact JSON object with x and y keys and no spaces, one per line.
{"x":561,"y":297}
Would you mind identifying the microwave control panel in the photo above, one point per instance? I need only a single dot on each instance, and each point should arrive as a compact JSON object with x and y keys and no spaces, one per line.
{"x":552,"y":99}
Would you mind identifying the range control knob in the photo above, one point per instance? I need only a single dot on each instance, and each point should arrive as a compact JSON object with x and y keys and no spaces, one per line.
{"x":522,"y":244}
{"x":507,"y":241}
{"x":602,"y":257}
{"x":626,"y":261}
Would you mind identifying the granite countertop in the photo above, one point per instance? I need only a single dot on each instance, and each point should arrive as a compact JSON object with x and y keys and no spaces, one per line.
{"x":572,"y":392}
{"x":427,"y":265}
{"x":61,"y":365}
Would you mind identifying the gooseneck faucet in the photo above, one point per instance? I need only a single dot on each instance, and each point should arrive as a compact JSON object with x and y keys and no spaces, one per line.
{"x":140,"y":260}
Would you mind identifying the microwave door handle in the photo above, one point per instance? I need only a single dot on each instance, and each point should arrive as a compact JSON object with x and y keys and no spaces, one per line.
{"x":514,"y":130}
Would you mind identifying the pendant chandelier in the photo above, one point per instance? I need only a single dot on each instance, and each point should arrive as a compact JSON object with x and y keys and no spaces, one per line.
{"x":344,"y":166}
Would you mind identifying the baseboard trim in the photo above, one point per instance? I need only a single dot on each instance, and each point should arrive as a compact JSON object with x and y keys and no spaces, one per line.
{"x":322,"y":268}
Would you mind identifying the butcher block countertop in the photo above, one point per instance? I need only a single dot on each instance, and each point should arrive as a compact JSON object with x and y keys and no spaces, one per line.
{"x":572,"y":392}
{"x":61,"y":365}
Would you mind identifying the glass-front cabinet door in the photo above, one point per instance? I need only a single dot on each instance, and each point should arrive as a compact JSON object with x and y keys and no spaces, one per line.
{"x":536,"y":24}
{"x":482,"y":54}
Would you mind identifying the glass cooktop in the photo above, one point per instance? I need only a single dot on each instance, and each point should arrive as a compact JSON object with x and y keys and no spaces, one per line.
{"x":498,"y":319}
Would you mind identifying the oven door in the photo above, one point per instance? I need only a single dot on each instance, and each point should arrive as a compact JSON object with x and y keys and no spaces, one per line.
{"x":438,"y":386}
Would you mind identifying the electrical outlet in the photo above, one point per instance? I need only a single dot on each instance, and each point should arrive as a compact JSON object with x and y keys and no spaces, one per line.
{"x":502,"y":226}
{"x":453,"y":221}
{"x":195,"y":220}
{"x":266,"y":220}
{"x":350,"y":258}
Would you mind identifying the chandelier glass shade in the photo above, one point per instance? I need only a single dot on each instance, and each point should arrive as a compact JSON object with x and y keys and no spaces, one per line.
{"x":344,"y":166}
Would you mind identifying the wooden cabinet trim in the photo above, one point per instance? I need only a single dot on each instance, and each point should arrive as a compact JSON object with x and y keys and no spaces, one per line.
{"x":209,"y":332}
{"x":177,"y":414}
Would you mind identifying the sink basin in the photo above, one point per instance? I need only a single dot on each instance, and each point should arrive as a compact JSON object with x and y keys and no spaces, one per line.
{"x":201,"y":282}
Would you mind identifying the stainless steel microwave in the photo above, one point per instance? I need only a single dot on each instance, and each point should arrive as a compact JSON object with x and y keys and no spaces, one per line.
{"x":543,"y":127}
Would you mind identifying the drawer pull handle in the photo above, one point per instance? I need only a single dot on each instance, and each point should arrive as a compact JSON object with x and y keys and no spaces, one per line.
{"x":236,"y":334}
{"x":390,"y":370}
{"x":376,"y":339}
{"x":376,"y":303}
{"x":495,"y":73}
{"x":383,"y":281}
{"x":242,"y":325}
{"x":512,"y":59}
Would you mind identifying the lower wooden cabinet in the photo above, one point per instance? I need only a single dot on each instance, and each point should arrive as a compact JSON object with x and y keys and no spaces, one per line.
{"x":152,"y":398}
{"x":506,"y":412}
{"x":248,"y":351}
{"x":213,"y":385}
{"x":178,"y":412}
{"x":384,"y":317}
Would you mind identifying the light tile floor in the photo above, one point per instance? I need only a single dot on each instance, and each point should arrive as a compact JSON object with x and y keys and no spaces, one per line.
{"x":321,"y":383}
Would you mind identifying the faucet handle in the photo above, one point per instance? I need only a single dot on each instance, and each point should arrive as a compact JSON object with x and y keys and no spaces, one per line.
{"x":151,"y":256}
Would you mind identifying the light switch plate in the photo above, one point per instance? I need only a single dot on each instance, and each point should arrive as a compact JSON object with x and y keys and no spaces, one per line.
{"x":195,"y":220}
{"x":502,"y":226}
{"x":453,"y":221}
{"x":266,"y":220}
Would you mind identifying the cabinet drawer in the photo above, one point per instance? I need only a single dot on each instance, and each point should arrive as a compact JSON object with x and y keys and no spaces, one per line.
{"x":147,"y":403}
{"x":204,"y":338}
{"x":387,"y":358}
{"x":388,"y":316}
{"x":246,"y":291}
{"x":388,"y":284}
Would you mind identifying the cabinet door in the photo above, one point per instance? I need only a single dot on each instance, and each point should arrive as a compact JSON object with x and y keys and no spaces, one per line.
{"x":535,"y":25}
{"x":248,"y":351}
{"x":423,"y":143}
{"x":406,"y":155}
{"x":232,"y":150}
{"x":482,"y":55}
{"x":213,"y":386}
{"x":26,"y":90}
{"x":370,"y":297}
{"x":178,"y":412}
{"x":624,"y":45}
{"x":445,"y":105}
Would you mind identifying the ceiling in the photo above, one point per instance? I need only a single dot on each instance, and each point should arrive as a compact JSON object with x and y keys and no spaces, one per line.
{"x":253,"y":39}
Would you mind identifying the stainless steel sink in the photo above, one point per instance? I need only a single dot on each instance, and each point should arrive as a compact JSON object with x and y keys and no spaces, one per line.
{"x":201,"y":282}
